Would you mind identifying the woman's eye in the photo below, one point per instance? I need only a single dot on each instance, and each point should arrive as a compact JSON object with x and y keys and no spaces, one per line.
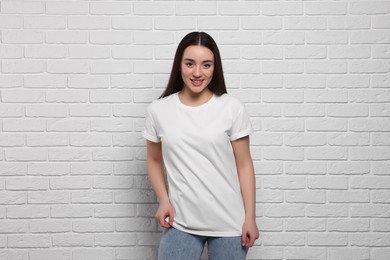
{"x":189,"y":64}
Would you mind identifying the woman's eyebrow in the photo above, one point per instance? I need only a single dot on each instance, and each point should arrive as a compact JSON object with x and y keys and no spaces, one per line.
{"x":188,"y":59}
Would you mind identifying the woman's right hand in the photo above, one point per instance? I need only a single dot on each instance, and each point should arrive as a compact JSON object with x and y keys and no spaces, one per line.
{"x":165,"y":210}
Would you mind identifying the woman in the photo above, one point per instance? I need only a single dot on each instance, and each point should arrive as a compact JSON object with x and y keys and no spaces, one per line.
{"x":199,"y":136}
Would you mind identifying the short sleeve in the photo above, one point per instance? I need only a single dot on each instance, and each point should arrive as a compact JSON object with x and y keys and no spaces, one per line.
{"x":241,"y":125}
{"x":150,"y":132}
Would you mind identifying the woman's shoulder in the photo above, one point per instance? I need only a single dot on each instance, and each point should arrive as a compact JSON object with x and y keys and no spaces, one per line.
{"x":161,"y":103}
{"x":230,"y":100}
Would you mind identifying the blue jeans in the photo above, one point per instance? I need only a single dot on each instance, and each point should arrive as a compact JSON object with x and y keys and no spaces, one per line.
{"x":179,"y":245}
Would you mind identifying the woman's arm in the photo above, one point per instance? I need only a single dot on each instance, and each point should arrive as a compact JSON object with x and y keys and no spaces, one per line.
{"x":247,"y":180}
{"x":157,"y":179}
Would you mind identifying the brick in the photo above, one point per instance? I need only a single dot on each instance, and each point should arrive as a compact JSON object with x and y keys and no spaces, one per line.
{"x":283,"y":38}
{"x":320,"y":239}
{"x":26,"y":183}
{"x":71,"y":211}
{"x":29,"y":241}
{"x":81,"y":140}
{"x":89,"y":82}
{"x":345,"y":253}
{"x":285,"y":183}
{"x":325,"y":125}
{"x":153,"y":38}
{"x":380,"y":225}
{"x":70,"y":183}
{"x":327,"y":37}
{"x":283,"y":153}
{"x":89,"y":52}
{"x":48,"y":197}
{"x":267,"y":139}
{"x":284,"y":210}
{"x":110,"y":67}
{"x":269,"y":196}
{"x":373,"y":66}
{"x":369,"y":96}
{"x":348,"y":81}
{"x":73,"y":240}
{"x":305,"y":52}
{"x":110,"y":37}
{"x":48,"y":169}
{"x":326,"y":211}
{"x":69,"y":154}
{"x":242,"y":9}
{"x":13,"y":198}
{"x":135,"y":196}
{"x":325,"y":8}
{"x":89,"y":110}
{"x":113,"y":182}
{"x":67,"y":96}
{"x":380,"y":22}
{"x":285,"y":67}
{"x":46,"y":110}
{"x":101,"y":254}
{"x":298,"y":110}
{"x":307,"y":197}
{"x":284,"y":239}
{"x":326,"y":96}
{"x":370,"y":211}
{"x":137,"y":252}
{"x":305,"y":224}
{"x":67,"y":125}
{"x":380,"y":168}
{"x":10,"y":51}
{"x":45,"y":81}
{"x":22,"y":7}
{"x":348,"y":168}
{"x":313,"y":81}
{"x":67,"y":7}
{"x":11,"y":110}
{"x":94,"y":168}
{"x":372,"y":154}
{"x":44,"y":22}
{"x":262,"y":52}
{"x":261,"y":23}
{"x":379,"y":182}
{"x":350,"y":139}
{"x":110,"y":8}
{"x":131,"y":81}
{"x":22,"y":37}
{"x":86,"y":197}
{"x":275,"y":8}
{"x":50,"y":226}
{"x":304,"y":23}
{"x":380,"y":196}
{"x":380,"y":139}
{"x":22,"y":66}
{"x":284,"y":125}
{"x":176,"y":23}
{"x":92,"y":226}
{"x":66,"y":67}
{"x":133,"y":52}
{"x":133,"y":110}
{"x":341,"y":196}
{"x":366,"y":7}
{"x":369,"y":37}
{"x":26,"y":154}
{"x":372,"y":240}
{"x":326,"y":67}
{"x":114,"y":211}
{"x":66,"y":37}
{"x":145,"y":8}
{"x":10,"y":81}
{"x":380,"y":51}
{"x":349,"y":22}
{"x":11,"y":140}
{"x":305,"y":168}
{"x":328,"y":182}
{"x":132,"y":23}
{"x":11,"y":21}
{"x":13,"y":226}
{"x":218,"y":23}
{"x":48,"y":254}
{"x":240,"y":38}
{"x":136,"y":224}
{"x":349,"y":52}
{"x":347,"y":110}
{"x":348,"y":225}
{"x":27,"y":212}
{"x":379,"y":253}
{"x":122,"y":239}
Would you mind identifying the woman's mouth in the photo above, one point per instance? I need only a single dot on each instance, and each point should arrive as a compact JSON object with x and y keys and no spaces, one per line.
{"x":196,"y":82}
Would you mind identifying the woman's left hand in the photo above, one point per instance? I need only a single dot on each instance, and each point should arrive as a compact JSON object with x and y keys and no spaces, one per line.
{"x":250,"y":233}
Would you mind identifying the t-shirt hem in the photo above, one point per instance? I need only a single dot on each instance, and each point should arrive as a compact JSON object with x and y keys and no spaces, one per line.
{"x":208,"y":233}
{"x":241,"y":134}
{"x":150,"y":137}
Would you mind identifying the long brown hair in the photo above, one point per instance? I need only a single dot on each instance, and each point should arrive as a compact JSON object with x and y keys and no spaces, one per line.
{"x":175,"y":83}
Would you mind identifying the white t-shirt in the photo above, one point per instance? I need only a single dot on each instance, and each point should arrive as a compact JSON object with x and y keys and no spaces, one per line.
{"x":202,"y":177}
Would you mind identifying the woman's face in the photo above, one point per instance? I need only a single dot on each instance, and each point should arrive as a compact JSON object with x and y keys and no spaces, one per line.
{"x":197,"y":68}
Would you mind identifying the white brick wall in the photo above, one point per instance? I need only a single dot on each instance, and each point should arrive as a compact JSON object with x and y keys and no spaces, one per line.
{"x":76,"y":77}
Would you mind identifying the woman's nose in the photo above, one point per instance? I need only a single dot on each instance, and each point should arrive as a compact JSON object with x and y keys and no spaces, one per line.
{"x":196,"y":72}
